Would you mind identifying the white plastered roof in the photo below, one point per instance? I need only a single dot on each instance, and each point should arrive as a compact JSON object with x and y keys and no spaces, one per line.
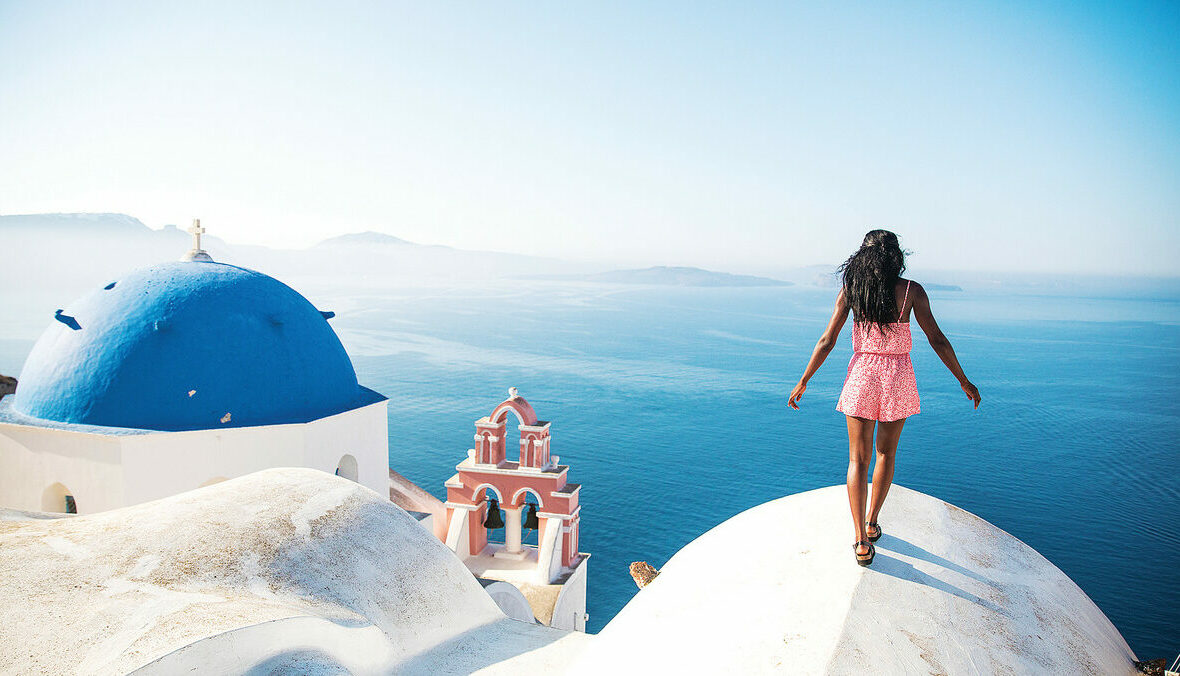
{"x":285,"y":568}
{"x":776,"y":589}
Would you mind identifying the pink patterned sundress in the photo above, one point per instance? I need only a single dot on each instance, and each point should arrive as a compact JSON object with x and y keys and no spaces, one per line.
{"x":880,"y":384}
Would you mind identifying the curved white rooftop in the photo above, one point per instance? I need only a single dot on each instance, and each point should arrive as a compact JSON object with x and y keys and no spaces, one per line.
{"x":297,"y":570}
{"x":776,"y":588}
{"x":289,"y":569}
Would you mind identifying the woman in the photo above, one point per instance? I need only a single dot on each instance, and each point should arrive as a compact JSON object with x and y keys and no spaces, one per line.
{"x":879,"y":390}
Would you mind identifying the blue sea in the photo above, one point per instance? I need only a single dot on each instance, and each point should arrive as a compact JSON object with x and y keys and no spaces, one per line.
{"x":669,"y":405}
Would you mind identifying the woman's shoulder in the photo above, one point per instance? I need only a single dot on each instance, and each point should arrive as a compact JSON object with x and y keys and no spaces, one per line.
{"x":913,"y":285}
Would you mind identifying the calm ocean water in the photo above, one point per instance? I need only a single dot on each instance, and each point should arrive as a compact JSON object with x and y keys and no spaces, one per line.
{"x":655,"y":394}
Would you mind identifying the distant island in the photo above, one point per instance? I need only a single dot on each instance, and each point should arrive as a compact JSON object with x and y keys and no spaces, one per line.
{"x":662,"y":275}
{"x":368,"y":238}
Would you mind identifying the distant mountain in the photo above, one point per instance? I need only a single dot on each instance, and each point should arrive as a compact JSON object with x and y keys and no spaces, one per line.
{"x":368,"y":238}
{"x":117,"y":232}
{"x":93,"y":223}
{"x":56,"y":257}
{"x":669,"y":276}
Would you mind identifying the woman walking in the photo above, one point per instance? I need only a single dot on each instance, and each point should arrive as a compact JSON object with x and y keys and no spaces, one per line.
{"x":879,"y":390}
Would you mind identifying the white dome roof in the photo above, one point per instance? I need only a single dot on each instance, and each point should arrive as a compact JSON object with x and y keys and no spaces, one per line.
{"x":776,"y":588}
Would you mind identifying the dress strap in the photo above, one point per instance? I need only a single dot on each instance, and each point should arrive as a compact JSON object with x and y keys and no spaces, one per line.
{"x":904,"y":299}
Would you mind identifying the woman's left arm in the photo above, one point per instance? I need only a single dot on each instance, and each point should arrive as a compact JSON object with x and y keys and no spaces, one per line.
{"x":822,"y":349}
{"x":941,"y":344}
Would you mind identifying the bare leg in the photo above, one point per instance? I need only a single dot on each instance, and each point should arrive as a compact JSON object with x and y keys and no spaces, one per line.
{"x":888,"y":434}
{"x":860,"y":448}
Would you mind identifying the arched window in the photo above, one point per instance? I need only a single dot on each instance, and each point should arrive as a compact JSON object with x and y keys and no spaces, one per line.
{"x":491,"y":495}
{"x":347,"y":467}
{"x":528,"y":499}
{"x":58,"y":498}
{"x":525,"y":416}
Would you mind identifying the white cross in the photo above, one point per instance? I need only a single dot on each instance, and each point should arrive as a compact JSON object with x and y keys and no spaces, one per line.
{"x":196,"y":231}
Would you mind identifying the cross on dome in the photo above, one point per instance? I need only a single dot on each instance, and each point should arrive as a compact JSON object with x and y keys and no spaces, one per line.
{"x":196,"y":230}
{"x":197,"y":253}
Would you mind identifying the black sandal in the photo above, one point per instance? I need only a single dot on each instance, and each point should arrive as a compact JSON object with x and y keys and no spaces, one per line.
{"x":874,"y":524}
{"x":867,"y":558}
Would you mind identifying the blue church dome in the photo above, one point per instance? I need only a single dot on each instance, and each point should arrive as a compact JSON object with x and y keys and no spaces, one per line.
{"x":189,"y":346}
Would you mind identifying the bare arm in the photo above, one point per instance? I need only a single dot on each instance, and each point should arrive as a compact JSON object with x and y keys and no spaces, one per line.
{"x":939,"y":341}
{"x":822,"y":349}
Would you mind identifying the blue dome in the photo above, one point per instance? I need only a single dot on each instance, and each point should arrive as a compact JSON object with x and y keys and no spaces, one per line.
{"x":189,"y":346}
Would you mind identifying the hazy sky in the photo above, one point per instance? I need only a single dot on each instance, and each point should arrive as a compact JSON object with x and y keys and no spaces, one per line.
{"x":1008,"y":136}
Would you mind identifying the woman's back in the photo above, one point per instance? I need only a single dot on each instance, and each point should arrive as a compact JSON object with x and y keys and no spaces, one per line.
{"x":892,"y":338}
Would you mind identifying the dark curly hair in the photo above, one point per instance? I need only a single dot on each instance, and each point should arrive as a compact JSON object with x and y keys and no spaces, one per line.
{"x":869,"y":277}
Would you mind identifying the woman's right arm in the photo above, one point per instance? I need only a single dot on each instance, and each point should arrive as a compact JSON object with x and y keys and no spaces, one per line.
{"x":822,"y":348}
{"x":939,"y":341}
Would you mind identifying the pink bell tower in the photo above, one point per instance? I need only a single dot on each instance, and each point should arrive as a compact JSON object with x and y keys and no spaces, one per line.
{"x":514,"y":474}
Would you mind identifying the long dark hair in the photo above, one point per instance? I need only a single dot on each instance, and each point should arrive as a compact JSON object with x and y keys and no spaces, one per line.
{"x":869,"y":277}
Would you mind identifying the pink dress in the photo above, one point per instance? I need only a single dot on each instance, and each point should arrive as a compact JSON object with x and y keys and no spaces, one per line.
{"x":880,"y":384}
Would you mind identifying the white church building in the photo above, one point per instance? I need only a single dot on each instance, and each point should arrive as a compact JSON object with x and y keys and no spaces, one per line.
{"x":189,"y":373}
{"x":178,"y":376}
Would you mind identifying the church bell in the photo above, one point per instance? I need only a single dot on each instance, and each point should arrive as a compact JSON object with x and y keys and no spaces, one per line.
{"x":494,"y":519}
{"x":530,"y":519}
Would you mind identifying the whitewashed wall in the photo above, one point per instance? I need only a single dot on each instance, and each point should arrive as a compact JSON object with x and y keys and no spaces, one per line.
{"x":104,"y":471}
{"x":569,"y":612}
{"x":33,"y":459}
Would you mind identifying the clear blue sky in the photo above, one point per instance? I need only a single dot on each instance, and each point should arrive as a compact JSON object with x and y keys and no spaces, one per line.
{"x":1008,"y":136}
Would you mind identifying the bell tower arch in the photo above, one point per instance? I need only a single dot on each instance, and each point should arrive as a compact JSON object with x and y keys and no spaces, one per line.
{"x":530,"y":485}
